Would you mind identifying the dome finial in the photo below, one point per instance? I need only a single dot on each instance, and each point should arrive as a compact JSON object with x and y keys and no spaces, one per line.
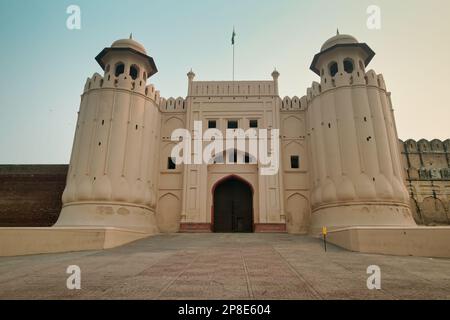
{"x":191,"y":75}
{"x":131,"y":36}
{"x":275,"y":74}
{"x":337,"y":32}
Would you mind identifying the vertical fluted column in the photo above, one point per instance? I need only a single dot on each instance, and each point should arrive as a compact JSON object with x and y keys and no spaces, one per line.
{"x":146,"y":157}
{"x":134,"y":150}
{"x":70,"y":191}
{"x":332,"y":147}
{"x":384,"y":186}
{"x":153,"y":163}
{"x":347,"y":140}
{"x":312,"y":147}
{"x":120,"y":190}
{"x":366,"y":138}
{"x":84,"y":180}
{"x":400,"y":191}
{"x":316,"y":118}
{"x":101,"y":182}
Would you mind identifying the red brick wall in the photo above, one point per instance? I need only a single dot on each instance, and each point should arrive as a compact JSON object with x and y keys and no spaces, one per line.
{"x":30,"y":195}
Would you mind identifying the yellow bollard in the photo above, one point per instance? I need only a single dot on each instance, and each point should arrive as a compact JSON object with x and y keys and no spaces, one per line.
{"x":325,"y":233}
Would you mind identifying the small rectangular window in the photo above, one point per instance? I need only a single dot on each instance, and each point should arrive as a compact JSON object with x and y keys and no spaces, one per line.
{"x":212,"y":124}
{"x":295,"y":162}
{"x":253,"y":123}
{"x":232,"y":124}
{"x":171,"y":164}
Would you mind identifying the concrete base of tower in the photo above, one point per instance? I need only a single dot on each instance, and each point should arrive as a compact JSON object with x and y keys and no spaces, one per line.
{"x":345,"y":215}
{"x":33,"y":241}
{"x":431,"y":242}
{"x":109,"y":215}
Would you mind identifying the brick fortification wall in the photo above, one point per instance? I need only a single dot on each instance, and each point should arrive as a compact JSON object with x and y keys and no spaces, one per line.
{"x":30,"y":195}
{"x":427,"y":172}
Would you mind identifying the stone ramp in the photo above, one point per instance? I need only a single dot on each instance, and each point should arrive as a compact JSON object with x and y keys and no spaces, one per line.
{"x":223,"y":266}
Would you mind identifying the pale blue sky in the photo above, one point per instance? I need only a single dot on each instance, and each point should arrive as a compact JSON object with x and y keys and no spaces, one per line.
{"x":44,"y":65}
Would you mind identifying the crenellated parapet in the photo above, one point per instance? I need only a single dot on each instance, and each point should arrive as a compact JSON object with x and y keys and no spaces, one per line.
{"x":426,"y":160}
{"x":172,"y":105}
{"x":425,"y":146}
{"x":122,"y":82}
{"x":368,"y":79}
{"x":294,"y":104}
{"x":357,"y":77}
{"x":153,"y":94}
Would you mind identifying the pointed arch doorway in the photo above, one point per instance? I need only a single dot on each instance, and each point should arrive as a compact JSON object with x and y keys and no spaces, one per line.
{"x":233,"y":206}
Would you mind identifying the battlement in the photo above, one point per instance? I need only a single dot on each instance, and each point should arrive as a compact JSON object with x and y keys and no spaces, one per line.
{"x":425,"y":146}
{"x":294,"y":104}
{"x":232,"y":88}
{"x":427,"y":160}
{"x":369,"y":79}
{"x":172,"y":105}
{"x":122,"y":82}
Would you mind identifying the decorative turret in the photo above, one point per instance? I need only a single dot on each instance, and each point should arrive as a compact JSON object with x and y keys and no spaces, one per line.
{"x":275,"y":76}
{"x":341,"y":55}
{"x":357,"y":176}
{"x":191,"y":77}
{"x":126,"y":62}
{"x":113,"y":168}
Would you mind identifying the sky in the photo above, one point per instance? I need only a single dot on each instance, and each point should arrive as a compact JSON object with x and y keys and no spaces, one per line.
{"x":44,"y":65}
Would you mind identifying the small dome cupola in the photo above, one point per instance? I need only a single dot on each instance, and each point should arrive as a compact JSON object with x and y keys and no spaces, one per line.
{"x":130,"y":44}
{"x":127,"y":56}
{"x":337,"y":40}
{"x":331,"y":53}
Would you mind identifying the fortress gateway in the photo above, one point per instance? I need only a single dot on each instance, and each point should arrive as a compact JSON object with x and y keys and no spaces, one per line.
{"x":340,"y":162}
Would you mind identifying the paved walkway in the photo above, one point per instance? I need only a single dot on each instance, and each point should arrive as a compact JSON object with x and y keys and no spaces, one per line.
{"x":223,"y":266}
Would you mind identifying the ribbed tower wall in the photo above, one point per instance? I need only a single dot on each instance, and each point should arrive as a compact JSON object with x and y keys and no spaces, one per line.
{"x":357,"y":178}
{"x":112,"y":174}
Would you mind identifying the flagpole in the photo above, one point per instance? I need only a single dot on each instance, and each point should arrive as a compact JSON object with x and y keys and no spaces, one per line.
{"x":233,"y":62}
{"x":233,"y":42}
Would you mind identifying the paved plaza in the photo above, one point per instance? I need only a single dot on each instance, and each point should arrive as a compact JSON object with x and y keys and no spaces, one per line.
{"x":223,"y":266}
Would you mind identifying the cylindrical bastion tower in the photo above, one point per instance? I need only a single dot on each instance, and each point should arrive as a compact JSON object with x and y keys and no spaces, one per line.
{"x":356,"y":177}
{"x":113,"y":168}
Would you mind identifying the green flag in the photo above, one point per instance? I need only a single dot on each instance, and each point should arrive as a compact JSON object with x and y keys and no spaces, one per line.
{"x":233,"y":37}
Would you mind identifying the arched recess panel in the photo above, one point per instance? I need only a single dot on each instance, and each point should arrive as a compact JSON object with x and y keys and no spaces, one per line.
{"x":297,"y":211}
{"x":293,"y":127}
{"x":168,"y":214}
{"x":170,"y":125}
{"x":434,"y":211}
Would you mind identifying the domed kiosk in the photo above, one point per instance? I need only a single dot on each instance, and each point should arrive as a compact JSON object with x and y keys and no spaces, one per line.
{"x":127,"y":47}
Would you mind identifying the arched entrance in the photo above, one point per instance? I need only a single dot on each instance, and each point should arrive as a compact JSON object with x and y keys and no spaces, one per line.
{"x":233,"y":206}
